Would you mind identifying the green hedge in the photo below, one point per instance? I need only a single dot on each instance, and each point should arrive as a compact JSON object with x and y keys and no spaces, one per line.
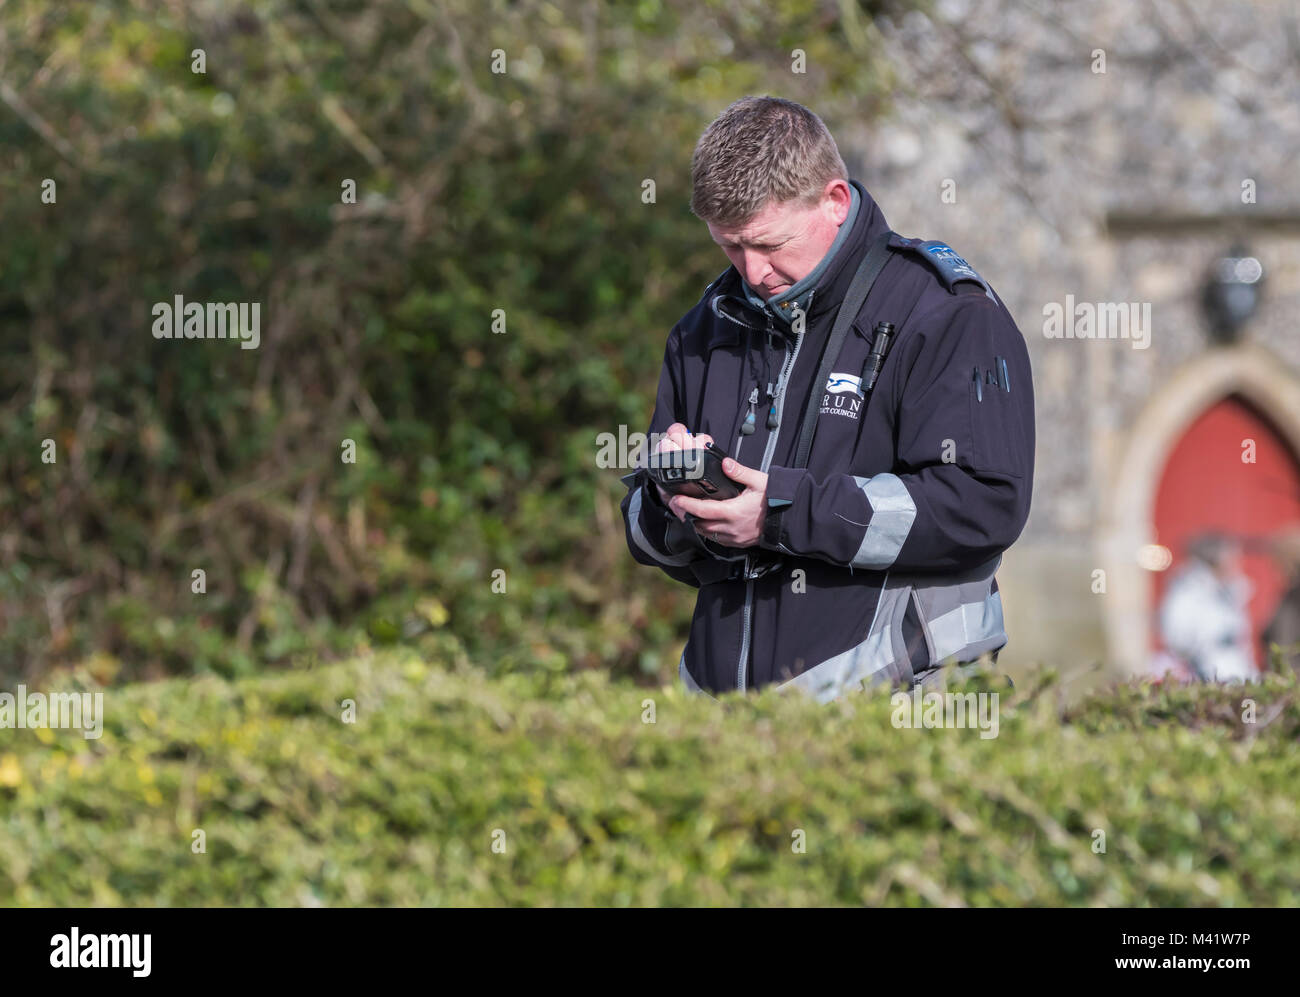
{"x":596,"y":806}
{"x":476,"y":192}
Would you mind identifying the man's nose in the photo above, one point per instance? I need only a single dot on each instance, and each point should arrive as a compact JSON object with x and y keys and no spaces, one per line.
{"x":756,"y":267}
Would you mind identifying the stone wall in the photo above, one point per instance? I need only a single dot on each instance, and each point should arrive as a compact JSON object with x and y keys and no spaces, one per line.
{"x":1115,"y":186}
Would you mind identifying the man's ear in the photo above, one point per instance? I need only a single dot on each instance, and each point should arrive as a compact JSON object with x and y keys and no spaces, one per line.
{"x":837,"y":198}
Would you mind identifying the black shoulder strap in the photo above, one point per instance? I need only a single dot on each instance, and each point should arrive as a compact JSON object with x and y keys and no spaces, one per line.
{"x":868,"y":270}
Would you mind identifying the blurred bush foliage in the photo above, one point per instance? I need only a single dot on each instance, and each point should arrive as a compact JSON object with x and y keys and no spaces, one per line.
{"x":476,"y":191}
{"x":596,"y":806}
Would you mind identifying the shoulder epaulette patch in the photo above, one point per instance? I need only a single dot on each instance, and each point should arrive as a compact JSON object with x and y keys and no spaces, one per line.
{"x":952,"y":268}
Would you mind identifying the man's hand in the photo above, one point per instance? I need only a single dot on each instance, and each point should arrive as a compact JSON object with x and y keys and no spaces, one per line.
{"x":677,"y":438}
{"x":734,"y":522}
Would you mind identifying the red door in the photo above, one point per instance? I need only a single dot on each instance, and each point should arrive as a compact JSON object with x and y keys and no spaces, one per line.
{"x":1206,"y":486}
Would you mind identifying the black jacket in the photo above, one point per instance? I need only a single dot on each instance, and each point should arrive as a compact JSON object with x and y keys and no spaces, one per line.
{"x":877,"y":561}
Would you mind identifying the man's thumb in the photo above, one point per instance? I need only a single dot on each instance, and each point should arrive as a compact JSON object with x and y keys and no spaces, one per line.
{"x":737,"y":471}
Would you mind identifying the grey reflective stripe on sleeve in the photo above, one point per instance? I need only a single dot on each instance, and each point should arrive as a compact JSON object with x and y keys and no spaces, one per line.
{"x":634,"y":522}
{"x":969,"y":624}
{"x":892,"y":515}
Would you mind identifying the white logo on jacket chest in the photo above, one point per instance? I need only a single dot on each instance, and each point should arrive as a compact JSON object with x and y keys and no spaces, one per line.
{"x":844,"y":384}
{"x":843,"y":395}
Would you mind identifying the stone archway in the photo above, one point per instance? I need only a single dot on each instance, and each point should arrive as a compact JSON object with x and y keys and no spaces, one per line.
{"x":1126,"y":523}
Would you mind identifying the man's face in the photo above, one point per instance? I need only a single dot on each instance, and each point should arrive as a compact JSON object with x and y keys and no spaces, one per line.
{"x":780,"y":245}
{"x":1230,"y":562}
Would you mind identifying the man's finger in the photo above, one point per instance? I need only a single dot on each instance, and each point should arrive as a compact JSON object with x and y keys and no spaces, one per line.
{"x":676,"y":435}
{"x":695,"y":507}
{"x":736,"y":471}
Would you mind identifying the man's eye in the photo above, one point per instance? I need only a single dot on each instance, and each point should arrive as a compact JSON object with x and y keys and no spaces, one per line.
{"x":732,"y":247}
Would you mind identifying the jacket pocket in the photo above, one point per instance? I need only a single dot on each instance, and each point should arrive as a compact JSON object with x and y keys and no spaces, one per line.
{"x":961,"y":615}
{"x":997,"y":433}
{"x":898,"y":628}
{"x":917,"y":643}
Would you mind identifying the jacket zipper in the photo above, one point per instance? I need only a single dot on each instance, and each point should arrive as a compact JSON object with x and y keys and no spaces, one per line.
{"x":768,"y":451}
{"x":753,"y":399}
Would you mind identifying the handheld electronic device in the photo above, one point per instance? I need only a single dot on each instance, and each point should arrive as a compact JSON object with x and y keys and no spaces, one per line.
{"x":697,"y":473}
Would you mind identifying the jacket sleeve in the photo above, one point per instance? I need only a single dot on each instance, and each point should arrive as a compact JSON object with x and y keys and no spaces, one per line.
{"x":654,"y":535}
{"x":959,"y":491}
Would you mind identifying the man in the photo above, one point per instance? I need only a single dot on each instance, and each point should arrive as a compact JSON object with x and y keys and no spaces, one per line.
{"x":1204,"y":616}
{"x":864,"y":546}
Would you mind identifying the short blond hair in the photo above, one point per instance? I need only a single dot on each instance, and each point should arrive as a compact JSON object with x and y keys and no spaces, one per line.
{"x":759,"y":150}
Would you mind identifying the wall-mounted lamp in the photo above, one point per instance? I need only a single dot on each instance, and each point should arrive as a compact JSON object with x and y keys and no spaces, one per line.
{"x":1231,"y":293}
